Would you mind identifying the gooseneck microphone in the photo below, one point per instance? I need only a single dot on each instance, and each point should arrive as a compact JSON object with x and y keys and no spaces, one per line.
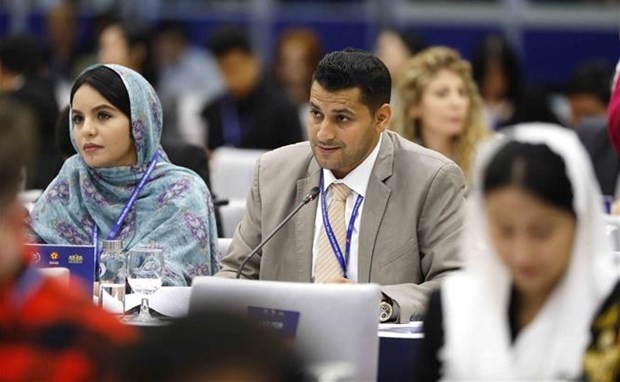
{"x":310,"y":196}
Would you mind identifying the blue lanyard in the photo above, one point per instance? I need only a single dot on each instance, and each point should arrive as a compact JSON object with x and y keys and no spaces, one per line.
{"x":132,"y":199}
{"x":342,"y":260}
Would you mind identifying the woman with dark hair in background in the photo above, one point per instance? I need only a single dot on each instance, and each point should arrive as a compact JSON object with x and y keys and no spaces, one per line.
{"x":116,"y":124}
{"x":538,"y":269}
{"x":507,"y":96}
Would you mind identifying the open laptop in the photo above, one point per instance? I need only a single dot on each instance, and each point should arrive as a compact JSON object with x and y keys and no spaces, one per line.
{"x":333,"y":325}
{"x":78,"y":259}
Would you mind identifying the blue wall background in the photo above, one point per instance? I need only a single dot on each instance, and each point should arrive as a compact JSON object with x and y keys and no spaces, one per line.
{"x":548,"y":55}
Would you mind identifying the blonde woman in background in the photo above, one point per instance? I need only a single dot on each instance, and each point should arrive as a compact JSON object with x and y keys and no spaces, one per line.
{"x":441,"y":108}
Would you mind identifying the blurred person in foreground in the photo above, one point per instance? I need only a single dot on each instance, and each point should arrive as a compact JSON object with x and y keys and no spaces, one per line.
{"x":392,"y":208}
{"x":47,"y":331}
{"x":121,"y":184}
{"x":440,"y":107}
{"x":539,"y":270}
{"x":254,"y":113}
{"x":213,"y":345}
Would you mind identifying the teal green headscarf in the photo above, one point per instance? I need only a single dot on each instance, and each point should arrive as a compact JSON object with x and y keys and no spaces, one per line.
{"x":173,"y":212}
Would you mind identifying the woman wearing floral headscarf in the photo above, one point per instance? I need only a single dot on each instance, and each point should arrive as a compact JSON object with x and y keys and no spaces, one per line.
{"x":539,"y":269}
{"x":116,"y":126}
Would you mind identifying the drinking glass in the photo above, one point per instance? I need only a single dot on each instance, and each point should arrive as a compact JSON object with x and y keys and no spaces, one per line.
{"x":145,"y":271}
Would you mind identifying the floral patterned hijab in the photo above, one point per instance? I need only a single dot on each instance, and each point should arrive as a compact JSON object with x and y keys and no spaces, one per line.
{"x":174,"y":211}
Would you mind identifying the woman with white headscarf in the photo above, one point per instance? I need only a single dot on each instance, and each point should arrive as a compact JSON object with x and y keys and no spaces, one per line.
{"x":539,"y":269}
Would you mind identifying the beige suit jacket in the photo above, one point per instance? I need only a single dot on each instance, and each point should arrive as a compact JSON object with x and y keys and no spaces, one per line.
{"x":411,"y":221}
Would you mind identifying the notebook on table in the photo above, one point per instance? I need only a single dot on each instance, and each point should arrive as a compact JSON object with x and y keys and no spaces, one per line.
{"x":78,"y":259}
{"x":335,"y":326}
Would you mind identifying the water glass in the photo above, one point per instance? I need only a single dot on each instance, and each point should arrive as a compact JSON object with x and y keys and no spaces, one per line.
{"x":112,"y":276}
{"x":145,"y":272}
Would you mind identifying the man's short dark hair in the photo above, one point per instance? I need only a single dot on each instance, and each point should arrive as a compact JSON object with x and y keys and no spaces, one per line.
{"x":592,"y":78}
{"x":354,"y":68}
{"x":227,"y":39}
{"x":16,"y":125}
{"x":21,"y":55}
{"x":174,"y":28}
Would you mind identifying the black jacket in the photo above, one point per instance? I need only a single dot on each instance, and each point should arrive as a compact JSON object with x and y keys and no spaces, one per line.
{"x":267,"y":119}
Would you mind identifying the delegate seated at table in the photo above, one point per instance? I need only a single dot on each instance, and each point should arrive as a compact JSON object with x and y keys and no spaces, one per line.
{"x":116,"y":127}
{"x":399,"y":203}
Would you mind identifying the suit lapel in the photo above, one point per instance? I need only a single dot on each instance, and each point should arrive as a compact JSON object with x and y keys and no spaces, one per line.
{"x":377,"y":195}
{"x":304,"y":222}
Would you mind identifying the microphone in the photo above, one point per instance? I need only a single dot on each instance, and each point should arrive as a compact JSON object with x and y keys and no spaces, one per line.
{"x":310,"y":196}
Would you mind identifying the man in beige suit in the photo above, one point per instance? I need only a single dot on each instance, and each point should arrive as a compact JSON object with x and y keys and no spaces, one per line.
{"x":397,"y":224}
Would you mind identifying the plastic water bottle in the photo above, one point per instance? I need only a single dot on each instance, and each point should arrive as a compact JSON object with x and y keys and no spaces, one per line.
{"x":112,"y":276}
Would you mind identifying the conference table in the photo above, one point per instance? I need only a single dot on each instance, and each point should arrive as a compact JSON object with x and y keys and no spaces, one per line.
{"x":399,"y":345}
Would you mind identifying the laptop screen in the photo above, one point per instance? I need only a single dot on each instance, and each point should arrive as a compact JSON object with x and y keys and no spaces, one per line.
{"x":78,"y":259}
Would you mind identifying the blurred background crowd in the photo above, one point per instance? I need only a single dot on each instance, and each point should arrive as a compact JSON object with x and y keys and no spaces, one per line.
{"x":248,"y":63}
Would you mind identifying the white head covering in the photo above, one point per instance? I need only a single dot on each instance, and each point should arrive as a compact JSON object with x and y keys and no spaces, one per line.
{"x":475,"y":302}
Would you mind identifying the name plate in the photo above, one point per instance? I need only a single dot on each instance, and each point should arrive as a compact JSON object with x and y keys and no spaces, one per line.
{"x":79,"y":259}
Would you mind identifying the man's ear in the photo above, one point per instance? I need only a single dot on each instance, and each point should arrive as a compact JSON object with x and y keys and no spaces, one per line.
{"x":383,"y":116}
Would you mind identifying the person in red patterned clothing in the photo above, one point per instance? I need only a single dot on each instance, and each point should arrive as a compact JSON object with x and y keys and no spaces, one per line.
{"x":47,"y":331}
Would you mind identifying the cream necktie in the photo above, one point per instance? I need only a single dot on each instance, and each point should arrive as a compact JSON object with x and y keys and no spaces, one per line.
{"x":327,"y":266}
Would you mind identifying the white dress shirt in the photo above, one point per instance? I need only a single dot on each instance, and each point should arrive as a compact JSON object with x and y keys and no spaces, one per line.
{"x":357,"y":181}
